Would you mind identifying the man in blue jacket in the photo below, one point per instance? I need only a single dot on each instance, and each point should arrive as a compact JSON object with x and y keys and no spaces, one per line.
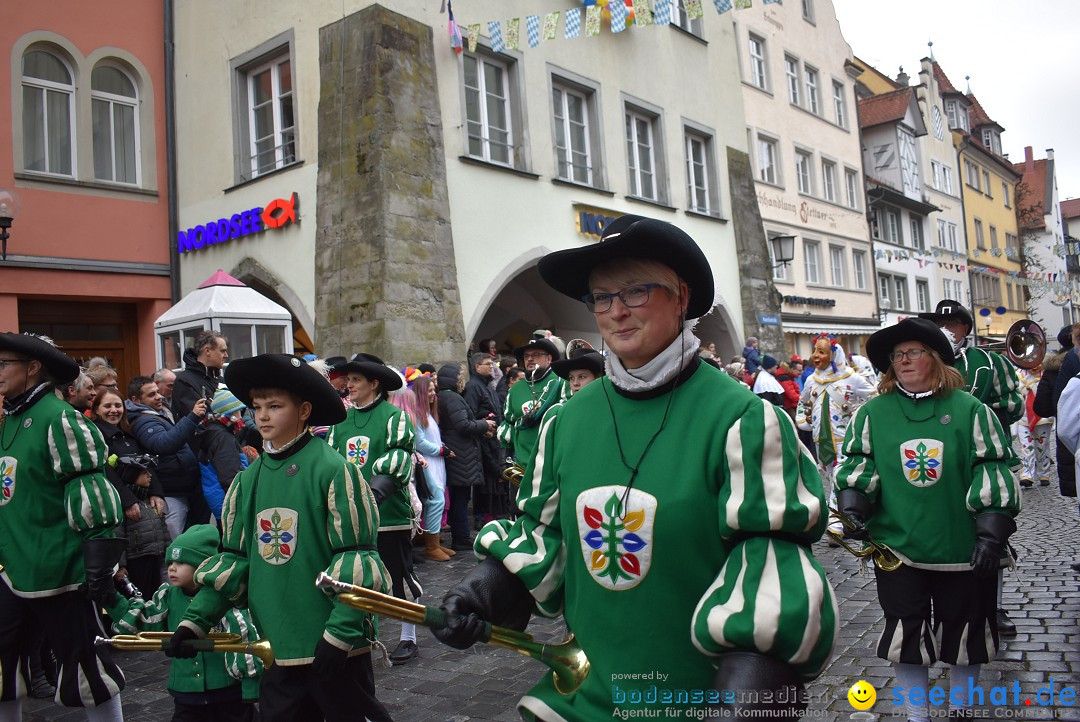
{"x":178,"y":469}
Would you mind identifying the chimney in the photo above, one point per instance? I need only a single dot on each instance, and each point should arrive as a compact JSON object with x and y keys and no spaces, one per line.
{"x":1049,"y":153}
{"x":902,"y":78}
{"x":1029,"y":160}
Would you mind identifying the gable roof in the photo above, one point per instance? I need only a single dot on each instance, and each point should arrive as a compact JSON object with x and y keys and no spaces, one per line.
{"x":943,"y":81}
{"x":1071,"y":208}
{"x":891,"y":107}
{"x":978,"y":116}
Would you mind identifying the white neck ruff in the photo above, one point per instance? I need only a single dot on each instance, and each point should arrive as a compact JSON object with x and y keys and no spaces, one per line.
{"x":665,"y":366}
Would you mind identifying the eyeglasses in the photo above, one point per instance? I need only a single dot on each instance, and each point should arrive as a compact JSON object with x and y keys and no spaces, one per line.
{"x":5,"y":362}
{"x":631,"y":297}
{"x":914,"y":354}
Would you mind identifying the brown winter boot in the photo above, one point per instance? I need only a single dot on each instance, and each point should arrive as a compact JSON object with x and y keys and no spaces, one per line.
{"x":433,"y":552}
{"x":445,"y":550}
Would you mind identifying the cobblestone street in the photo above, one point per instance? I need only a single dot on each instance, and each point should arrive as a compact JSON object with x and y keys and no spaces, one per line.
{"x":484,"y":683}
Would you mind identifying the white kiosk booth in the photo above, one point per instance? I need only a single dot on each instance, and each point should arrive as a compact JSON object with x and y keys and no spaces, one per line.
{"x":252,"y":323}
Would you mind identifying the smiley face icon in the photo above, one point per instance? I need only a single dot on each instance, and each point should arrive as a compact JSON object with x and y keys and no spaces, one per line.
{"x":862,"y":695}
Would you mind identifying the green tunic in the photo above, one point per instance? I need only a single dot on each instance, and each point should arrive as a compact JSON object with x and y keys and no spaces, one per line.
{"x":54,"y":495}
{"x":708,"y":554}
{"x":206,"y":671}
{"x":284,"y":521}
{"x":380,"y":440}
{"x":929,"y":467}
{"x":990,"y":378}
{"x":525,"y":396}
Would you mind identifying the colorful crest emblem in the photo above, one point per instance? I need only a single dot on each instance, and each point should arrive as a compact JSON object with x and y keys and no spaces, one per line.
{"x":356,"y":450}
{"x":7,"y":478}
{"x":530,"y":405}
{"x":922,"y":460}
{"x":277,"y":534}
{"x":616,"y":541}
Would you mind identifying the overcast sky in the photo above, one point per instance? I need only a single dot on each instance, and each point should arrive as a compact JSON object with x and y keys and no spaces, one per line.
{"x":1021,"y":57}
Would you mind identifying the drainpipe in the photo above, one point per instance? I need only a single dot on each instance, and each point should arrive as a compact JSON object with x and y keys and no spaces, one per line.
{"x":170,"y":150}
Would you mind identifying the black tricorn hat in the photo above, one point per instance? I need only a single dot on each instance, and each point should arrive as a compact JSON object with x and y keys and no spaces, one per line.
{"x":634,"y":237}
{"x":372,"y":367}
{"x":62,"y":368}
{"x":923,"y":330}
{"x":950,"y":309}
{"x":585,"y":359}
{"x":541,"y":344}
{"x":333,"y":363}
{"x":289,"y":373}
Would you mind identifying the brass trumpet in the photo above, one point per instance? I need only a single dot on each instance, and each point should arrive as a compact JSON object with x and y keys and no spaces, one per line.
{"x":883,"y":557}
{"x":566,"y":659}
{"x":513,"y":473}
{"x":216,"y":642}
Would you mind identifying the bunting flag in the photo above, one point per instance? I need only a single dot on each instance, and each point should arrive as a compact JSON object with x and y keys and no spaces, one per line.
{"x":769,"y":2}
{"x":513,"y":34}
{"x":474,"y":35}
{"x":592,"y":21}
{"x":454,"y":31}
{"x":743,"y":4}
{"x":722,"y":6}
{"x":573,"y":23}
{"x":642,"y":13}
{"x":661,"y":12}
{"x":551,"y":25}
{"x":532,"y":30}
{"x":495,"y":33}
{"x":693,"y":9}
{"x":618,"y":15}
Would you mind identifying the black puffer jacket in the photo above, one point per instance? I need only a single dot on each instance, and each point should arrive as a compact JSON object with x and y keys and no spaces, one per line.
{"x":177,"y":468}
{"x":122,"y":443}
{"x":193,"y":383}
{"x":460,"y":431}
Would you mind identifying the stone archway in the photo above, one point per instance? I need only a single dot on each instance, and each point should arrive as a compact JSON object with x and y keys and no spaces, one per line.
{"x":254,"y":274}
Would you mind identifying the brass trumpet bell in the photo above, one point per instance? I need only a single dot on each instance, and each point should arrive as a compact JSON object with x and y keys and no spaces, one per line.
{"x":1024,"y":345}
{"x":566,"y":659}
{"x":883,"y":557}
{"x":215,"y":642}
{"x":514,"y":473}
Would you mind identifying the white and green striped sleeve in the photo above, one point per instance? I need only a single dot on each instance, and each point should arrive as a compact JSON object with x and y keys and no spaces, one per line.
{"x":78,"y":453}
{"x":237,"y":664}
{"x":532,"y":547}
{"x":131,"y":616}
{"x":771,"y":596}
{"x":1006,"y":396}
{"x":397,"y":461}
{"x":858,"y":470}
{"x":993,"y":486}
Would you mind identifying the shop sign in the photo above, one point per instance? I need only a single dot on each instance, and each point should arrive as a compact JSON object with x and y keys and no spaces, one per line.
{"x":805,"y":301}
{"x":593,"y":224}
{"x":276,"y":214}
{"x":769,"y":320}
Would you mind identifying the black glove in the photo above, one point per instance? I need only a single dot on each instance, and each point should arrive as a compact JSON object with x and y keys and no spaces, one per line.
{"x":749,"y":674}
{"x":329,"y":660}
{"x":177,"y":645}
{"x":856,"y":507}
{"x":530,"y":420}
{"x":100,"y":557}
{"x":991,"y":532}
{"x":382,"y":487}
{"x":473,"y":602}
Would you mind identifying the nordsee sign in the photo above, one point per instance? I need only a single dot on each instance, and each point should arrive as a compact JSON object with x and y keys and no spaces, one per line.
{"x":276,"y":214}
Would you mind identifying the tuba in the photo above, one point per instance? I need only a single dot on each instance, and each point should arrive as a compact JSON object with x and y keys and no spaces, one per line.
{"x":1025,"y":344}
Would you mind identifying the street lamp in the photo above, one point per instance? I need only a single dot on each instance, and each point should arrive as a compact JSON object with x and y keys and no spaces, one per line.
{"x":784,"y":250}
{"x":9,"y":209}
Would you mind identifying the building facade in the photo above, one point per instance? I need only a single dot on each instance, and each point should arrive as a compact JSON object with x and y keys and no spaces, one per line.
{"x":803,"y":132}
{"x":1051,"y":280}
{"x":1070,"y":250}
{"x":411,"y":188}
{"x":88,"y":261}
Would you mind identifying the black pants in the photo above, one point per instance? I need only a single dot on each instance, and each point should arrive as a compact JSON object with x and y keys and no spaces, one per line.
{"x":298,"y":694}
{"x":87,"y":674}
{"x":459,"y":512}
{"x":235,"y":711}
{"x":145,"y":573}
{"x":395,"y":550}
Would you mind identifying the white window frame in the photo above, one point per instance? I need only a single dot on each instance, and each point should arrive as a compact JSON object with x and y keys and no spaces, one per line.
{"x":768,"y":157}
{"x":986,"y":184}
{"x":828,"y":180}
{"x":791,"y":72}
{"x":994,"y":237}
{"x":922,"y":296}
{"x":701,"y":176}
{"x":971,"y":170}
{"x":113,"y":100}
{"x":780,"y":271}
{"x":980,"y":237}
{"x":851,"y":185}
{"x":893,"y":230}
{"x":503,"y":96}
{"x":858,"y":267}
{"x":935,"y":173}
{"x":282,"y":136}
{"x":837,"y":273}
{"x":642,"y":183}
{"x":946,"y":177}
{"x":808,"y":11}
{"x":759,"y":64}
{"x":804,"y":171}
{"x":1012,"y":243}
{"x":918,"y":234}
{"x":953,"y":237}
{"x":45,"y":87}
{"x":681,"y":19}
{"x":813,"y":99}
{"x":565,"y":166}
{"x":885,"y":290}
{"x":1005,"y":194}
{"x":812,"y":261}
{"x":839,"y":93}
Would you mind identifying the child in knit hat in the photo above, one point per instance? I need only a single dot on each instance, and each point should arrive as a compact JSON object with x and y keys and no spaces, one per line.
{"x":221,"y":457}
{"x":210,"y":685}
